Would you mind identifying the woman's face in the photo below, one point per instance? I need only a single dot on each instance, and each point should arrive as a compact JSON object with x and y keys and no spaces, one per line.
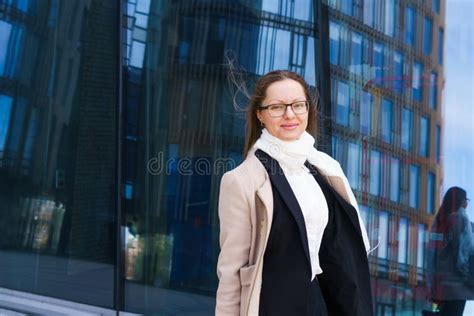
{"x":289,"y":126}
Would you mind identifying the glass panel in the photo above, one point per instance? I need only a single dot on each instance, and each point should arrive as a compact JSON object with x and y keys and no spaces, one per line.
{"x":407,"y":129}
{"x":424,"y":136}
{"x":353,"y":165}
{"x":375,"y":172}
{"x":369,"y":12}
{"x":398,"y":80}
{"x":420,"y":257}
{"x":366,"y":113}
{"x":427,"y":36}
{"x":383,"y":235}
{"x":435,"y":4}
{"x":356,"y":54}
{"x":378,"y":63}
{"x":403,"y":240}
{"x":414,"y":186}
{"x":430,"y":196}
{"x":394,"y":179}
{"x":342,"y":114}
{"x":433,"y":90}
{"x":440,"y":46}
{"x":417,"y":88}
{"x":58,"y":149}
{"x":410,"y":29}
{"x":334,"y":38}
{"x":438,"y":143}
{"x":346,"y":6}
{"x":386,"y":120}
{"x":389,"y":17}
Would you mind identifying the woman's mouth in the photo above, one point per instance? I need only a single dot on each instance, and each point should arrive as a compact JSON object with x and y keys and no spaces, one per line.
{"x":289,"y":126}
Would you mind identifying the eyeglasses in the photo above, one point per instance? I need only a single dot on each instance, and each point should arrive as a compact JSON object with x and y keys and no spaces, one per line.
{"x":277,"y":110}
{"x":467,"y":200}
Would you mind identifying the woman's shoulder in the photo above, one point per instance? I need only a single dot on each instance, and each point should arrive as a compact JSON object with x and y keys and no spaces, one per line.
{"x":248,"y":172}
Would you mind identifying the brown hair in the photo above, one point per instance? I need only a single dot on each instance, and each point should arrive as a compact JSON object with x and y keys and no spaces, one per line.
{"x":253,"y":127}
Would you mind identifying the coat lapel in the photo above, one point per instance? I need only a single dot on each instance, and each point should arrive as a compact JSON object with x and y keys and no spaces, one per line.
{"x":280,"y":182}
{"x":336,"y":186}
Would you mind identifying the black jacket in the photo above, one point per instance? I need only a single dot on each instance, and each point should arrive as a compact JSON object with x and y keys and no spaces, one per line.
{"x":345,"y":281}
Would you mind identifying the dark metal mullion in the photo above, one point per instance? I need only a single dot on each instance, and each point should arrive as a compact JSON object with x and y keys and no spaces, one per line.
{"x":323,"y":71}
{"x":119,"y":290}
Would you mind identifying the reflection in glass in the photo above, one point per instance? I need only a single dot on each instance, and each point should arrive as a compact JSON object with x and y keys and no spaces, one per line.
{"x":410,"y":30}
{"x":57,"y":149}
{"x":184,"y":127}
{"x":407,"y":129}
{"x":403,"y":240}
{"x":375,"y":172}
{"x":386,"y":120}
{"x":414,"y":186}
{"x":382,"y":251}
{"x":424,"y":136}
{"x":427,"y":35}
{"x":342,"y":114}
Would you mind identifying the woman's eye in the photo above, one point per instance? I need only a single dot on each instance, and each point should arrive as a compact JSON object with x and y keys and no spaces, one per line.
{"x":277,"y":107}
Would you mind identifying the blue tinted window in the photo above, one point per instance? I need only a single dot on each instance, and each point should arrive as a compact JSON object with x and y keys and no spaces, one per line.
{"x":438,"y":143}
{"x":378,"y":63}
{"x":433,"y":90}
{"x":342,"y":112}
{"x":5,"y":113}
{"x":398,"y":81}
{"x":374,"y":172}
{"x":389,"y":17}
{"x":369,"y":12}
{"x":430,"y":195}
{"x":414,"y":186}
{"x":274,"y":49}
{"x":427,"y":36}
{"x":394,"y":179}
{"x":339,"y":151}
{"x":417,"y":85}
{"x":356,"y":54}
{"x":383,"y":235}
{"x":334,"y":39}
{"x":420,"y":258}
{"x":353,"y":165}
{"x":366,"y":113}
{"x":436,"y":5}
{"x":440,"y":46}
{"x":410,"y":26}
{"x":5,"y":30}
{"x":407,"y":129}
{"x":403,"y":240}
{"x":424,"y":136}
{"x":11,"y":46}
{"x":346,"y":6}
{"x":386,"y":120}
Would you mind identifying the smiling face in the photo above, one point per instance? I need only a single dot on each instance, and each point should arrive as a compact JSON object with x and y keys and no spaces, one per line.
{"x":290,"y":126}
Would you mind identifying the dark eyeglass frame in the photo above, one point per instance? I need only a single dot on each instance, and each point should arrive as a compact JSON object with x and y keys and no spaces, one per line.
{"x":467,"y":199}
{"x":266,"y":107}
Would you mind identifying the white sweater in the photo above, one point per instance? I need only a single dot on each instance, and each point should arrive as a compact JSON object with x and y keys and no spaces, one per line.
{"x":307,"y":191}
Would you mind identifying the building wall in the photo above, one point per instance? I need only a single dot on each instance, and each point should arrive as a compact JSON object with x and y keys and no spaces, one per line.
{"x":110,"y":168}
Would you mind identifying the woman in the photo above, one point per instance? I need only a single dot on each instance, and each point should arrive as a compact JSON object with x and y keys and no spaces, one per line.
{"x":449,"y":249}
{"x":292,"y":241}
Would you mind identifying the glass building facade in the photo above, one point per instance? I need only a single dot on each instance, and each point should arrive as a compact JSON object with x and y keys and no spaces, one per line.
{"x":118,"y":119}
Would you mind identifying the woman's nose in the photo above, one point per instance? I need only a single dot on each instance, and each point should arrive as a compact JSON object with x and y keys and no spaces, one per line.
{"x":289,"y":112}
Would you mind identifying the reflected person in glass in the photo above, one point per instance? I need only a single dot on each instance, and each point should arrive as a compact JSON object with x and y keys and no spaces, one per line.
{"x":449,"y":250}
{"x":292,"y":240}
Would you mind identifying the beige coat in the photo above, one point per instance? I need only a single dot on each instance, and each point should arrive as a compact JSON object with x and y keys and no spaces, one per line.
{"x":245,"y":213}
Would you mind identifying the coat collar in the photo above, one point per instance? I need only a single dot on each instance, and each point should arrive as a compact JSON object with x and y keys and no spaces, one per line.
{"x":280,"y":182}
